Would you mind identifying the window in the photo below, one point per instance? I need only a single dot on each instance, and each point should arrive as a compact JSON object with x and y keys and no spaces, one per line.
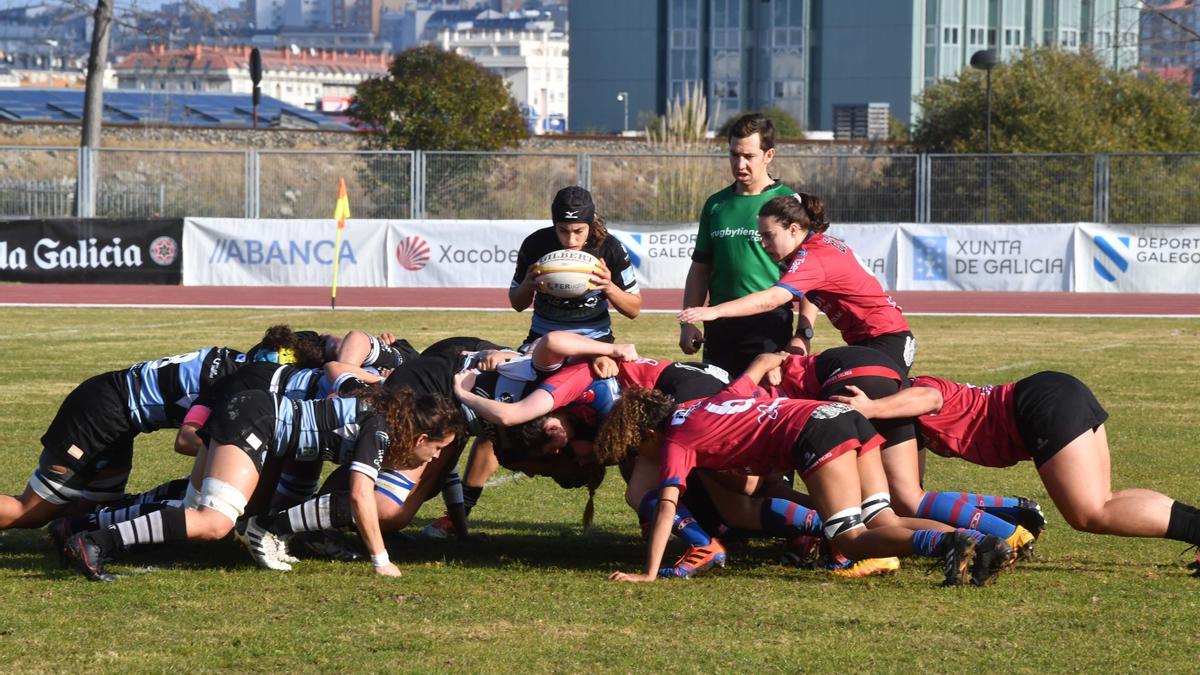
{"x":991,"y":34}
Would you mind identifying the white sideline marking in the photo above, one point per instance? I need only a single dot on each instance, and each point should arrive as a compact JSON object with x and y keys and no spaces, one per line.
{"x":17,"y":336}
{"x":1103,"y":347}
{"x":495,"y":482}
{"x":297,"y":308}
{"x":1010,"y":366}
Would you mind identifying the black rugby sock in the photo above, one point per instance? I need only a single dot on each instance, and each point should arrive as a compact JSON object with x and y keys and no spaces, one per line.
{"x":167,"y":524}
{"x":471,"y":496}
{"x":325,"y":512}
{"x":1184,"y":524}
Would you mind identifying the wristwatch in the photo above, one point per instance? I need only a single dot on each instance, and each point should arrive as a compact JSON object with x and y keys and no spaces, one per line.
{"x":806,"y":333}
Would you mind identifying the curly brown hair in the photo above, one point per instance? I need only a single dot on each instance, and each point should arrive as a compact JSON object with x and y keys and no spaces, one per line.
{"x":409,"y":415}
{"x":306,"y":350}
{"x":622,"y":431}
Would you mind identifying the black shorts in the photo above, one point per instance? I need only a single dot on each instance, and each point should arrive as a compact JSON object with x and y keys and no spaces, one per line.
{"x":684,"y":381}
{"x":872,"y":371}
{"x":833,"y":430}
{"x":246,"y":420}
{"x":733,"y":343}
{"x":1052,"y":409}
{"x":87,"y":451}
{"x":901,"y":347}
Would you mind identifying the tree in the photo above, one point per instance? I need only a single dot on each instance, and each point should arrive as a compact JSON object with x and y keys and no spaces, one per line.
{"x":437,"y":100}
{"x":1048,"y":100}
{"x":786,"y":126}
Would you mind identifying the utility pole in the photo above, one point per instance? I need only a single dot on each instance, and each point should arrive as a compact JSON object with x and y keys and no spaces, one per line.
{"x":93,"y":108}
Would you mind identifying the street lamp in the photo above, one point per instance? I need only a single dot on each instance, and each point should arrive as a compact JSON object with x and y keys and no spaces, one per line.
{"x":985,"y":60}
{"x":623,"y":97}
{"x":52,"y":44}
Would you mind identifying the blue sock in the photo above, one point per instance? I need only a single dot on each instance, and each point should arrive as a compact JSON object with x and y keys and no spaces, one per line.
{"x":783,"y":518}
{"x":950,"y":508}
{"x":1006,"y":507}
{"x":927,"y":542}
{"x":985,"y":501}
{"x":685,"y":526}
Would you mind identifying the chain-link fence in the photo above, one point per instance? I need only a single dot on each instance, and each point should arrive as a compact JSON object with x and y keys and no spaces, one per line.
{"x":493,"y":186}
{"x":40,"y":182}
{"x":1153,"y":189}
{"x":1011,"y":188}
{"x":170,"y":183}
{"x":303,"y":184}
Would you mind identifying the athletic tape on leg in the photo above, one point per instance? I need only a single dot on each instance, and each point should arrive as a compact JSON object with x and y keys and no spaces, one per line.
{"x":874,"y":505}
{"x":223,"y":498}
{"x":843,"y":521}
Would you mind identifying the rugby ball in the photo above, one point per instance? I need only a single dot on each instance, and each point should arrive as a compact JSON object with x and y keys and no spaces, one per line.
{"x":566,"y":273}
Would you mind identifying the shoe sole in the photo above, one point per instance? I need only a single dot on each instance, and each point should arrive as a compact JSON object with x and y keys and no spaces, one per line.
{"x":77,"y":557}
{"x":965,"y":554}
{"x":998,"y":556}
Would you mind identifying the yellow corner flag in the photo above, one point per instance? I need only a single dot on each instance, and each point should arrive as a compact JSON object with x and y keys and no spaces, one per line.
{"x":340,"y":213}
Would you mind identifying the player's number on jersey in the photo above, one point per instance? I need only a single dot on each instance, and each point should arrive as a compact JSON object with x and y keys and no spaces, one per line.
{"x":178,"y":358}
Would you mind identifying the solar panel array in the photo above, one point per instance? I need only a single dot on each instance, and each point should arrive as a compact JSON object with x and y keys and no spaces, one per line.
{"x":160,"y":108}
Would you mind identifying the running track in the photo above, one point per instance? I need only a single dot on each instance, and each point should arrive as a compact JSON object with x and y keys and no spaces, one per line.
{"x":914,"y":302}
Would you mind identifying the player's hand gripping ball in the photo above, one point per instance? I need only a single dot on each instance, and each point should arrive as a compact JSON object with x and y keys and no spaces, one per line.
{"x":566,"y":273}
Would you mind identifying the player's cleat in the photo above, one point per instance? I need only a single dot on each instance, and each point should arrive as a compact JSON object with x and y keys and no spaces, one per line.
{"x":801,"y":550}
{"x":870,"y":567}
{"x":1195,"y":564}
{"x":441,"y":528}
{"x":283,"y":550}
{"x":60,"y":531}
{"x":1021,"y":542}
{"x":327,"y":545}
{"x":86,"y":556}
{"x":262,"y":545}
{"x":832,"y":561}
{"x":696,"y":560}
{"x":958,"y":555}
{"x":1029,"y":516}
{"x":991,"y":556}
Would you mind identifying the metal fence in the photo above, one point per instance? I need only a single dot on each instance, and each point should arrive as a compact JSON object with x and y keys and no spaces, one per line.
{"x":47,"y":182}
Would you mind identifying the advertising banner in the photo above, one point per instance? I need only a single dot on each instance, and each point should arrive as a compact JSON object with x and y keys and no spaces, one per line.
{"x":661,"y":256}
{"x":985,"y":257}
{"x":875,"y":246}
{"x":455,"y":253}
{"x":237,"y":252}
{"x":91,"y":250}
{"x":1137,"y":259}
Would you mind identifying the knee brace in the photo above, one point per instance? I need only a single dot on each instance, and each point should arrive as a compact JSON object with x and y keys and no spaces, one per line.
{"x":223,"y":498}
{"x":874,"y":505}
{"x":843,"y":521}
{"x":191,"y":498}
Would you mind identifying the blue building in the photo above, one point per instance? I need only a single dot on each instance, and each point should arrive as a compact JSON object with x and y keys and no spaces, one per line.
{"x":806,"y":56}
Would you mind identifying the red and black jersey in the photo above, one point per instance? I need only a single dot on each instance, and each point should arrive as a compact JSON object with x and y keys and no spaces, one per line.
{"x":682,"y":381}
{"x":814,"y":376}
{"x":976,"y":423}
{"x":575,"y":389}
{"x":828,"y":273}
{"x":740,"y":429}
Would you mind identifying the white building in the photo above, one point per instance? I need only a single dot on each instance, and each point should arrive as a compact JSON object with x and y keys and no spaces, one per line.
{"x":534,"y":64}
{"x":302,"y":78}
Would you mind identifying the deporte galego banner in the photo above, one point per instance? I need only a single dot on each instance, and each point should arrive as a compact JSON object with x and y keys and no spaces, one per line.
{"x":1137,"y":258}
{"x":91,"y":250}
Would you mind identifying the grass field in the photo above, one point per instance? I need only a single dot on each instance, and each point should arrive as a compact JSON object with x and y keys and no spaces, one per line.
{"x":534,"y":597}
